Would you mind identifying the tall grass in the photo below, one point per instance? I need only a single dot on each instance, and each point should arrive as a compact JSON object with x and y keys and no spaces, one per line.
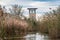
{"x":51,"y":24}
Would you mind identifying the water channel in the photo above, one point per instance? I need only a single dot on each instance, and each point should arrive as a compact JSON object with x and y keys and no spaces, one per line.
{"x":36,"y":36}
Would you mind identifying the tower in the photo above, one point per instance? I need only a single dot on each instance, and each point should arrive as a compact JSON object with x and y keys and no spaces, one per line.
{"x":32,"y":13}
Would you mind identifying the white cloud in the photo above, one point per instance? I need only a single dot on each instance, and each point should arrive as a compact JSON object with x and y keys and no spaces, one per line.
{"x":38,"y":4}
{"x":2,"y":3}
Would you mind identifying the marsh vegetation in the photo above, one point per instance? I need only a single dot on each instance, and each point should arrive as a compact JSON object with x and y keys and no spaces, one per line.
{"x":11,"y":25}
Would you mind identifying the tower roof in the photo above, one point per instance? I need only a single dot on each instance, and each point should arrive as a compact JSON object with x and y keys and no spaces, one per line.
{"x":32,"y":8}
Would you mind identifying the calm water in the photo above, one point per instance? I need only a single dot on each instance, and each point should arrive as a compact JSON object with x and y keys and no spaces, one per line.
{"x":36,"y":36}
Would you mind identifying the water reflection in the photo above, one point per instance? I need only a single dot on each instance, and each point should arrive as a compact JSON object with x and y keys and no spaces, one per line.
{"x":36,"y":36}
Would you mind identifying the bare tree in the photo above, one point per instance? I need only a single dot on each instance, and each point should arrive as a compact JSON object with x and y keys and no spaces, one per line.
{"x":16,"y":10}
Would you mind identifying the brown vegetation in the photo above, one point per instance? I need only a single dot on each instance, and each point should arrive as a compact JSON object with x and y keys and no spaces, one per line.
{"x":51,"y":24}
{"x":11,"y":25}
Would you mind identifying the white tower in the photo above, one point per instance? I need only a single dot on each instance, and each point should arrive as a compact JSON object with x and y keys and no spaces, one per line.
{"x":32,"y":13}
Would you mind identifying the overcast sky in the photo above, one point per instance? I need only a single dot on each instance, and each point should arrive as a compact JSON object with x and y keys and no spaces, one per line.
{"x":42,"y":5}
